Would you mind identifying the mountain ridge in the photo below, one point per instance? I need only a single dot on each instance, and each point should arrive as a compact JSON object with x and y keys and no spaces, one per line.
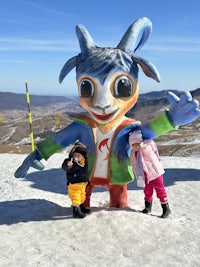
{"x":11,"y":101}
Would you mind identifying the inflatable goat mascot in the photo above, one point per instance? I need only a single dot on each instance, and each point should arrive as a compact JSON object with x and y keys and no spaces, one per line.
{"x":107,"y":81}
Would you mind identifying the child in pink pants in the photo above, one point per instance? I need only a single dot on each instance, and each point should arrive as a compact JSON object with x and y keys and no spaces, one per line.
{"x":148,"y":170}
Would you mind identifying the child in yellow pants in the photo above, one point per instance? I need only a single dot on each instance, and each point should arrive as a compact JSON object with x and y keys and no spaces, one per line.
{"x":76,"y":193}
{"x":76,"y":167}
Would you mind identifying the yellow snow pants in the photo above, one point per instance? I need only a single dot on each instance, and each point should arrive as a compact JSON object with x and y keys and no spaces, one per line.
{"x":76,"y":192}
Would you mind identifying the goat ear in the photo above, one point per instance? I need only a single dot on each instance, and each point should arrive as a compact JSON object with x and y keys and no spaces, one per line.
{"x":148,"y":68}
{"x":69,"y":65}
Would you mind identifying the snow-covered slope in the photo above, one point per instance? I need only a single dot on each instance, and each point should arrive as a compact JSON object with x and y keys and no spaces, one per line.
{"x":36,"y":227}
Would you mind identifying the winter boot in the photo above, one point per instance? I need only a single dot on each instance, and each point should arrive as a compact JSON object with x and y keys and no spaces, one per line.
{"x":148,"y":206}
{"x":83,"y":209}
{"x":77,"y":213}
{"x":166,"y":210}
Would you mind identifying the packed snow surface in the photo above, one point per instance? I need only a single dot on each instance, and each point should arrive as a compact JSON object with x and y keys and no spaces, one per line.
{"x":37,"y":228}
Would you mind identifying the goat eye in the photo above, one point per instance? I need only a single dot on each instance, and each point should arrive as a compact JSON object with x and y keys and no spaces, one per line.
{"x":123,"y":87}
{"x":86,"y":88}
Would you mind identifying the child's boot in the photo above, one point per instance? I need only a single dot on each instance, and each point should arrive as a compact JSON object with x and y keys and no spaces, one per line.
{"x":166,"y":210}
{"x":84,"y":209}
{"x":148,"y":206}
{"x":77,"y":213}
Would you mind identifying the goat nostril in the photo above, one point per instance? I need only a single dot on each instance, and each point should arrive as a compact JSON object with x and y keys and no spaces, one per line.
{"x":102,"y":108}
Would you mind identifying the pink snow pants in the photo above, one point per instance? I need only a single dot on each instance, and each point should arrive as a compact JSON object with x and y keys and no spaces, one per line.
{"x":158,"y":185}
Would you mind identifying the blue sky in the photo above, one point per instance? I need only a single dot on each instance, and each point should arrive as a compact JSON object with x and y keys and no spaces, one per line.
{"x":38,"y":36}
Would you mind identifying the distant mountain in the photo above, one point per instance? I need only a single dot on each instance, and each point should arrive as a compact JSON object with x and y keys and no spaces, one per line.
{"x":155,"y":95}
{"x":163,"y":94}
{"x":156,"y":100}
{"x":10,"y":101}
{"x":195,"y":92}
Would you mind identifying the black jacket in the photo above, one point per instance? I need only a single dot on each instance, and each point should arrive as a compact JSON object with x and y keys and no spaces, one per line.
{"x":76,"y":173}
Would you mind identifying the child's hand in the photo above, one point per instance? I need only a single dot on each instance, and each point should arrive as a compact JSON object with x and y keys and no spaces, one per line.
{"x":70,"y":162}
{"x":143,"y":145}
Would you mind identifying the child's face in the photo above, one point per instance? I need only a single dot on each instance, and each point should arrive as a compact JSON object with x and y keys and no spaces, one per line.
{"x":136,"y":147}
{"x":79,"y":156}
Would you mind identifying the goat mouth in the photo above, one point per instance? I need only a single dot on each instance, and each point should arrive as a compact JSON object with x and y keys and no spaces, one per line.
{"x":103,"y":117}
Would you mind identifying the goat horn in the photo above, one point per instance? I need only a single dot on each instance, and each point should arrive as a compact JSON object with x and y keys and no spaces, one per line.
{"x":85,"y":40}
{"x":136,"y":35}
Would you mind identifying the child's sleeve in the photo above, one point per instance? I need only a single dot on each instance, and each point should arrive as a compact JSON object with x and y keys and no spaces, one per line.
{"x":64,"y":165}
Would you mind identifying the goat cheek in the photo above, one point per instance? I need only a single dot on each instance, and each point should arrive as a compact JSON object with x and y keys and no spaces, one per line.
{"x":84,"y":102}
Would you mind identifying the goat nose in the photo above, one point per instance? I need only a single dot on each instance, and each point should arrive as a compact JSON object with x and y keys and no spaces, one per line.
{"x":103,"y":105}
{"x":102,"y":108}
{"x":103,"y":100}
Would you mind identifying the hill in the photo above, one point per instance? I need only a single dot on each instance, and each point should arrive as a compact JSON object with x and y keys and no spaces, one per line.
{"x":12,"y":101}
{"x":50,"y":115}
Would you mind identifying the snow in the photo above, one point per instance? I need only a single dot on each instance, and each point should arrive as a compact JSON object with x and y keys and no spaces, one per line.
{"x":37,"y":228}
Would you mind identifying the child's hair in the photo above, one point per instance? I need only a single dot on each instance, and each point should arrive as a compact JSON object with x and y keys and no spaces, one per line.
{"x":79,"y":148}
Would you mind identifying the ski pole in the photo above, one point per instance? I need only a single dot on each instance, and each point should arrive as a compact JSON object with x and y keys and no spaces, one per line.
{"x":29,"y":117}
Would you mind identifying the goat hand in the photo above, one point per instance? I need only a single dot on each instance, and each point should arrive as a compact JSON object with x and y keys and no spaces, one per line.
{"x":182,"y":110}
{"x":33,"y":160}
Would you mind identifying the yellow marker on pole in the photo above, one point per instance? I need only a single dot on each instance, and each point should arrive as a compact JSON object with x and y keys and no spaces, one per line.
{"x":1,"y":120}
{"x":29,"y":117}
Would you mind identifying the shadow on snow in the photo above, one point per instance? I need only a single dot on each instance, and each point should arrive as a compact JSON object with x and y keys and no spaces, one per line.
{"x":17,"y":211}
{"x":54,"y":180}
